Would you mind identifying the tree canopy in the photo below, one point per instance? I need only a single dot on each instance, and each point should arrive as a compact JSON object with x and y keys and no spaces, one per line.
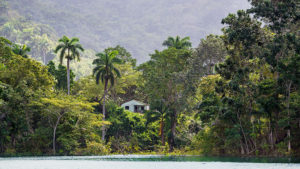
{"x":234,"y":94}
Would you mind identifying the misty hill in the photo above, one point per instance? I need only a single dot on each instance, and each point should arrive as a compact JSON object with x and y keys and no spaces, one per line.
{"x":138,"y":25}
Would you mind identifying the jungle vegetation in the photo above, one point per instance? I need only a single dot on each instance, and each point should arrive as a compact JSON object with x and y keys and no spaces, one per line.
{"x":235,"y":94}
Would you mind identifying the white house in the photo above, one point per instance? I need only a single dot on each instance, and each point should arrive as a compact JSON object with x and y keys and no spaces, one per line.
{"x":136,"y":106}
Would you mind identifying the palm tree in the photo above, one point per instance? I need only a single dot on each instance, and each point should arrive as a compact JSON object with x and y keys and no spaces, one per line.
{"x":21,"y":50}
{"x":106,"y":71}
{"x":69,"y":49}
{"x":177,"y":42}
{"x":43,"y":48}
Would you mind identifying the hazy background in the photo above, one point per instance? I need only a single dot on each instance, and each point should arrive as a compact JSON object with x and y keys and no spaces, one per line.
{"x":139,"y":25}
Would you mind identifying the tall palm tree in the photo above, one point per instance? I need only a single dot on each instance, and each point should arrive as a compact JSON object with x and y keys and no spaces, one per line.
{"x":177,"y":42}
{"x":106,"y":71}
{"x":69,"y":49}
{"x":21,"y":50}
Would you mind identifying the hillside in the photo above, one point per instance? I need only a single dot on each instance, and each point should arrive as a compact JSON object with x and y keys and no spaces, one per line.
{"x":138,"y":25}
{"x":234,"y":93}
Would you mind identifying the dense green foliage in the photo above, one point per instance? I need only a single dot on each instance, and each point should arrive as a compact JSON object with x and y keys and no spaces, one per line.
{"x":21,"y":50}
{"x":249,"y":111}
{"x":40,"y":38}
{"x":234,"y":94}
{"x":60,"y":75}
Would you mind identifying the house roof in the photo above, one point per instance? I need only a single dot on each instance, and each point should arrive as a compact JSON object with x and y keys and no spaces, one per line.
{"x":135,"y":102}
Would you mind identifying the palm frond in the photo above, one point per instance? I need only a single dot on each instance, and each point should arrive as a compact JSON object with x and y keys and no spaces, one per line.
{"x":98,"y":77}
{"x":100,"y":54}
{"x":113,"y":53}
{"x":79,"y":46}
{"x":98,"y":61}
{"x":62,"y":55}
{"x":105,"y":66}
{"x":103,"y":75}
{"x":64,"y":39}
{"x":77,"y":55}
{"x":169,"y":42}
{"x":96,"y":69}
{"x":59,"y":47}
{"x":186,"y":44}
{"x":112,"y":80}
{"x":117,"y":71}
{"x":186,"y":39}
{"x":74,"y":41}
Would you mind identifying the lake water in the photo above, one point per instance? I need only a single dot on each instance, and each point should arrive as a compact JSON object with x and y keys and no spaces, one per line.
{"x":146,"y":162}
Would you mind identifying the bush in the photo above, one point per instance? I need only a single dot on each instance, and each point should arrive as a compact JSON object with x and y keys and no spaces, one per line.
{"x":94,"y":148}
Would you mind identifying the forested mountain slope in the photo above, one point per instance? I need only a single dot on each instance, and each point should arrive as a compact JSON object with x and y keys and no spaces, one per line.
{"x":138,"y":25}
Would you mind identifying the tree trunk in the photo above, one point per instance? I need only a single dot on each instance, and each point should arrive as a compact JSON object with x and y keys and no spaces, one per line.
{"x":103,"y":109}
{"x":54,"y":133}
{"x":288,"y":110}
{"x":244,"y":135}
{"x":28,"y":122}
{"x":242,"y":148}
{"x":173,"y":129}
{"x":289,"y":138}
{"x":162,"y":134}
{"x":68,"y":75}
{"x":271,"y":134}
{"x":271,"y":140}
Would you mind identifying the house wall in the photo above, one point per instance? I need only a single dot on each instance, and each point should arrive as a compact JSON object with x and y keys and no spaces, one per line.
{"x":131,"y":105}
{"x":147,"y":107}
{"x":131,"y":108}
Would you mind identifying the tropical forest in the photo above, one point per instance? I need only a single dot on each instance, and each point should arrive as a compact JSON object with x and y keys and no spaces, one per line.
{"x":66,"y":73}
